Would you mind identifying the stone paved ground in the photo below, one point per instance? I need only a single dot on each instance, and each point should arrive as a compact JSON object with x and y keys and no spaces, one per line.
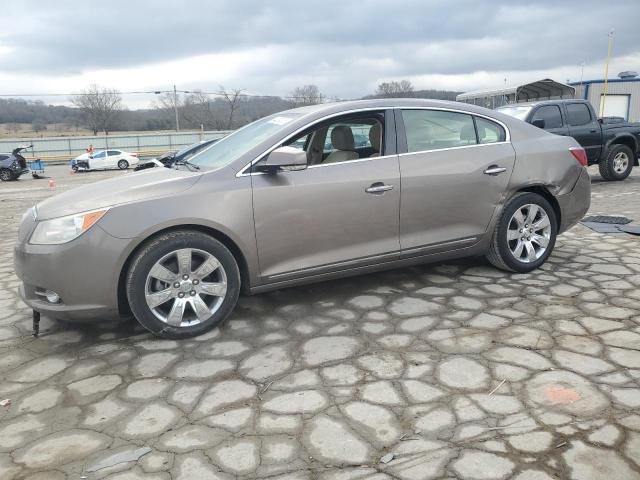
{"x":457,"y":370}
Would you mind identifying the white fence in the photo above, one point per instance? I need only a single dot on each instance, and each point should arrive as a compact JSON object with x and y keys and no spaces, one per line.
{"x":60,"y":148}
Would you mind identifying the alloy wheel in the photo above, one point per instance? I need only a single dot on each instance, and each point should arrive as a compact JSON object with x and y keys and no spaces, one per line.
{"x":185,"y":287}
{"x":620,"y":163}
{"x":529,"y":233}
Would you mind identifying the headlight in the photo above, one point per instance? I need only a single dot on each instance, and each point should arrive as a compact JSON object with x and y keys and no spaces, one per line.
{"x":65,"y":229}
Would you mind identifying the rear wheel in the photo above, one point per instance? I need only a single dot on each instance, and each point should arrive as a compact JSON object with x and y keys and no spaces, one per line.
{"x":182,"y":284}
{"x":618,"y":164}
{"x":6,"y":175}
{"x":123,"y":164}
{"x":525,"y":234}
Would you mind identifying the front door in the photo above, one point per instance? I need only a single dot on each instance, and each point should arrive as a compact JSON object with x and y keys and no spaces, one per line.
{"x":454,"y":173}
{"x":341,"y":211}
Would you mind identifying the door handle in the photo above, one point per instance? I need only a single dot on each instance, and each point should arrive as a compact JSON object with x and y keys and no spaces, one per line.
{"x":378,"y":188}
{"x":593,"y":130}
{"x":494,"y":170}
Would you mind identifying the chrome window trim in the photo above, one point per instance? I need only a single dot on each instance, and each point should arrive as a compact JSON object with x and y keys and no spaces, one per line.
{"x":452,"y":148}
{"x":244,"y":173}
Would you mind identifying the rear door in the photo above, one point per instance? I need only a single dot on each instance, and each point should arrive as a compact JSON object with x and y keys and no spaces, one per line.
{"x":332,"y":215}
{"x":113,"y":156}
{"x":554,"y":121}
{"x":585,"y":128}
{"x":452,"y":177}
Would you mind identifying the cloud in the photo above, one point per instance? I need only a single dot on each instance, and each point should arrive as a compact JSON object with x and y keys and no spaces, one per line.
{"x":270,"y":47}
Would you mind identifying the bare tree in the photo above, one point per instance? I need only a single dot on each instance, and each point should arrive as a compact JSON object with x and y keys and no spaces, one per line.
{"x":306,"y":95}
{"x":100,"y":107}
{"x":403,"y":88}
{"x":233,"y":98}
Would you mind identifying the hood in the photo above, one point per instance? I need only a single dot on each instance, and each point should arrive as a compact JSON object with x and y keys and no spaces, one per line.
{"x":132,"y":187}
{"x":84,"y":156}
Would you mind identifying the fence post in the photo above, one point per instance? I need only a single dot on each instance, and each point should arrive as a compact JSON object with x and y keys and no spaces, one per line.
{"x":69,"y":143}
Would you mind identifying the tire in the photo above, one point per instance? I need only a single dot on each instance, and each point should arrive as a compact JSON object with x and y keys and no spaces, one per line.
{"x":618,"y":164}
{"x":123,"y":164}
{"x":178,"y":290}
{"x":74,"y":168}
{"x":503,"y":252}
{"x":6,"y":175}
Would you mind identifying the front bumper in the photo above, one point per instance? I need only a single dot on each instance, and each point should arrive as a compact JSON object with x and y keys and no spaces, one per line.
{"x":83,"y":272}
{"x":575,"y":204}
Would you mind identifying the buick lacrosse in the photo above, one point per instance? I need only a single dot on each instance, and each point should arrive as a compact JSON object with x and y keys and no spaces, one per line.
{"x":294,"y":198}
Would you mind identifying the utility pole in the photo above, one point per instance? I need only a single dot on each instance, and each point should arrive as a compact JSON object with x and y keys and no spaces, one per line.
{"x":175,"y":107}
{"x":582,"y":93}
{"x":606,"y":73}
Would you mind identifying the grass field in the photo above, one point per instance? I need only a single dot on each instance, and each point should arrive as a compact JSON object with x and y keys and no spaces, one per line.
{"x":25,"y":130}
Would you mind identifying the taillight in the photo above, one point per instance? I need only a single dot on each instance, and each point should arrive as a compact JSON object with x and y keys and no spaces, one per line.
{"x":579,"y":155}
{"x":134,"y":155}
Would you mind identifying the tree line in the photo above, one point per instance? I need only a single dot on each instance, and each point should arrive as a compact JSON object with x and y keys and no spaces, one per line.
{"x":101,"y":109}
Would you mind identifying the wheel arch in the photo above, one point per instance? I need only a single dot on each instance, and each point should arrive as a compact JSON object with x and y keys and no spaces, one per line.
{"x":548,"y":196}
{"x":123,"y":304}
{"x":627,"y":140}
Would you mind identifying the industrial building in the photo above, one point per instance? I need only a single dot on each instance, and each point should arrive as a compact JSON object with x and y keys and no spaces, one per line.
{"x":623,"y":96}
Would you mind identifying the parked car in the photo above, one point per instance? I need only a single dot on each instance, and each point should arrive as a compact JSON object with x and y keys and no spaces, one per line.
{"x":176,"y":246}
{"x":12,"y":165}
{"x":105,"y":159}
{"x":611,"y":143}
{"x":169,"y":158}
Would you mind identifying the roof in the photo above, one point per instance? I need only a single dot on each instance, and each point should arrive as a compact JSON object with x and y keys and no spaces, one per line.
{"x":610,"y":80}
{"x":540,"y":88}
{"x":542,"y":102}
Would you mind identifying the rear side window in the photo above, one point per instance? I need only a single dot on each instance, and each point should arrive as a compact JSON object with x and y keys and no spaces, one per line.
{"x":113,"y":152}
{"x":550,"y":114}
{"x":489,"y":132}
{"x":436,"y":129}
{"x":578,"y":114}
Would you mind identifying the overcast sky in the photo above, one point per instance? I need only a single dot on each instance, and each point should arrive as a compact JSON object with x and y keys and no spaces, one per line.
{"x":345,"y":47}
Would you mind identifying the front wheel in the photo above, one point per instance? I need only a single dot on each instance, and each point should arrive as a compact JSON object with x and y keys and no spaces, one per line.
{"x":6,"y":175}
{"x":123,"y":164}
{"x":525,"y":234}
{"x":182,"y":284}
{"x":618,"y":164}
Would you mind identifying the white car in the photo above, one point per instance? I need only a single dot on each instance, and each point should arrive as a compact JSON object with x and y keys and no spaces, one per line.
{"x":105,"y":159}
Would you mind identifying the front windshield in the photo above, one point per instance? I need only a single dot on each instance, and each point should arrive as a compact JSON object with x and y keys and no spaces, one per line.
{"x":241,"y":141}
{"x":518,"y":112}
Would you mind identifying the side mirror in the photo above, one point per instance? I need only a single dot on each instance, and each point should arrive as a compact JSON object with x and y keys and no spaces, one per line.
{"x":538,"y":122}
{"x":284,"y":158}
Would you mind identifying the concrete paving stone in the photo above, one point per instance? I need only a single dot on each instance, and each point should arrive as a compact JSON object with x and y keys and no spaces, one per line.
{"x":60,"y":448}
{"x":420,"y":392}
{"x":521,"y":357}
{"x":586,"y":462}
{"x":224,"y":349}
{"x":433,"y":420}
{"x":150,"y":420}
{"x":488,"y":321}
{"x":190,"y":438}
{"x":224,"y":393}
{"x":185,"y":395}
{"x":320,"y":350}
{"x":632,"y":447}
{"x":583,"y":364}
{"x":498,"y":404}
{"x":39,"y":401}
{"x":270,"y":423}
{"x":380,"y":424}
{"x":342,"y":374}
{"x":303,"y":379}
{"x":305,"y":401}
{"x":629,"y":397}
{"x":534,"y":442}
{"x":329,"y":440}
{"x":463,"y":373}
{"x":606,"y":435}
{"x":384,"y":365}
{"x":40,"y":369}
{"x":459,"y":340}
{"x":156,"y":461}
{"x":231,"y":420}
{"x":412,"y":306}
{"x":154,"y":364}
{"x":104,"y":412}
{"x":479,"y":465}
{"x":197,"y":466}
{"x":278,"y":450}
{"x":381,"y":392}
{"x":237,"y":456}
{"x":533,"y":475}
{"x":420,"y":459}
{"x":203,"y":369}
{"x":146,"y":389}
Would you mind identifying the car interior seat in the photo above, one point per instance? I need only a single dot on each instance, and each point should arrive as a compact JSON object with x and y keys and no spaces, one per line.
{"x":468,"y":135}
{"x":375,"y":138}
{"x":342,"y":141}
